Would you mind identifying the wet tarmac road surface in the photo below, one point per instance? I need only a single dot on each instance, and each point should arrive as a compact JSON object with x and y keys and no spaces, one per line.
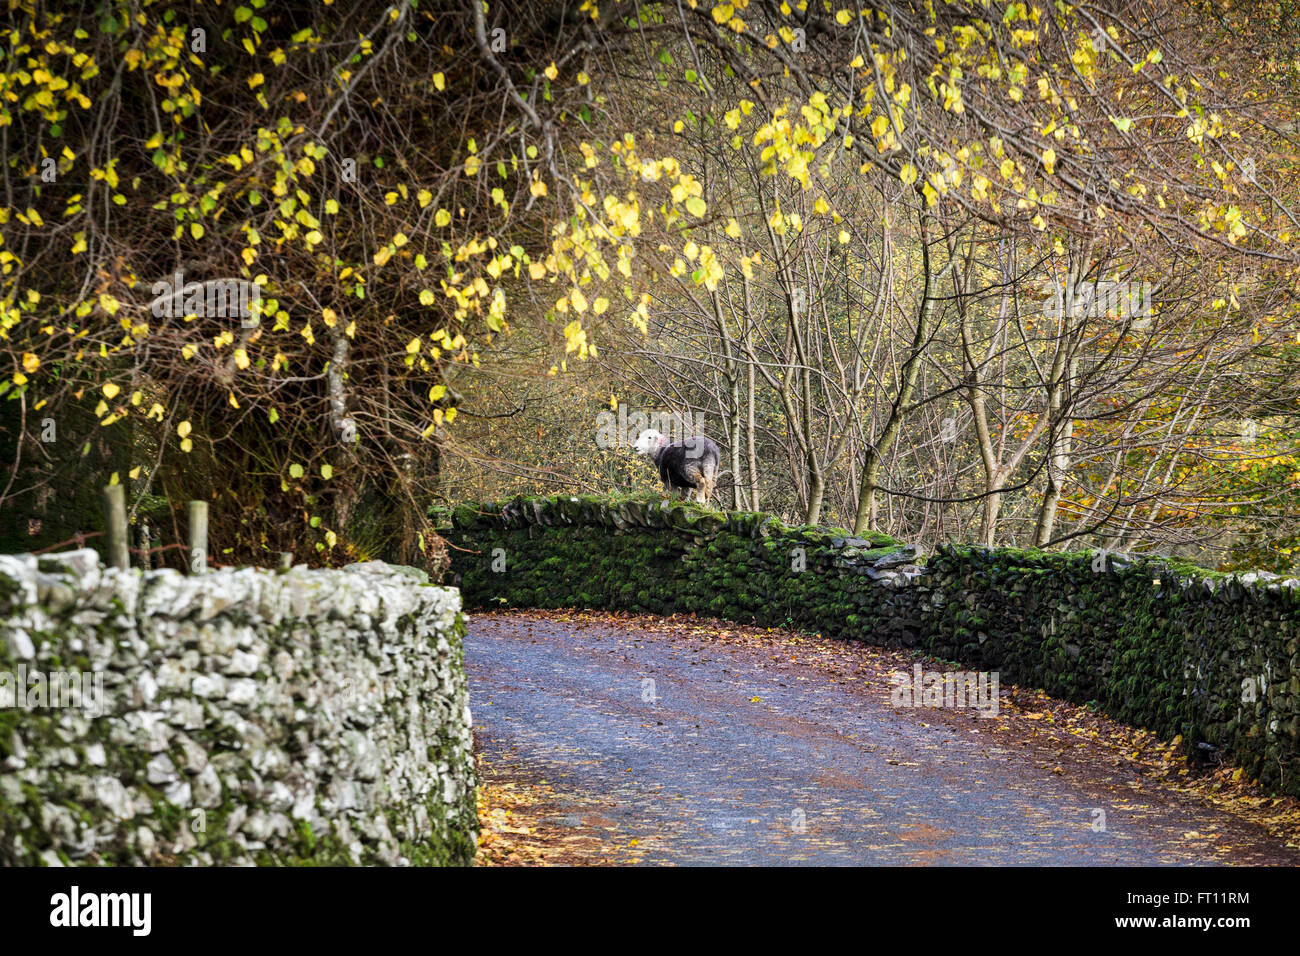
{"x":698,"y":752}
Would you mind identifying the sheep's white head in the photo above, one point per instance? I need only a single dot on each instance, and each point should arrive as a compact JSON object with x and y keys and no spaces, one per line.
{"x":647,"y":441}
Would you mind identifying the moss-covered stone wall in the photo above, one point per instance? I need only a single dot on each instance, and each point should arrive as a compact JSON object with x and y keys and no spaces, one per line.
{"x":1173,"y":648}
{"x":240,"y":716}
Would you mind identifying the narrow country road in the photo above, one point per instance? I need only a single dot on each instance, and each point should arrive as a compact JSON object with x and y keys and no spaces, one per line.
{"x":713,"y":744}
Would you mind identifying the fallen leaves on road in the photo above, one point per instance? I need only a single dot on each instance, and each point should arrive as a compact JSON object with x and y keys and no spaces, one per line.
{"x":512,"y":809}
{"x":1142,"y":753}
{"x":514,"y":829}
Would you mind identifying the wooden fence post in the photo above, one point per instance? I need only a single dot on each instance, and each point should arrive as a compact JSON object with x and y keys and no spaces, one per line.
{"x":198,"y":528}
{"x":115,"y":527}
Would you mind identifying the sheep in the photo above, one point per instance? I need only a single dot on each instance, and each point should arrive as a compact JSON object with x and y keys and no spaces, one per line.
{"x":690,"y":465}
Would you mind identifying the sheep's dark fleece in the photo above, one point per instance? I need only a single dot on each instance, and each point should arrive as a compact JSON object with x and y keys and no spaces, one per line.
{"x":690,"y":465}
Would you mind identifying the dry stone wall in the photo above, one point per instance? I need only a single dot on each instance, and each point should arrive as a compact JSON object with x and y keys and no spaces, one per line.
{"x":236,"y":717}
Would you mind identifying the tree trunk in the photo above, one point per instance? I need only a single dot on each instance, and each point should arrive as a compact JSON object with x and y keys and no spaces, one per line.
{"x":345,"y":470}
{"x":876,"y":452}
{"x":1057,"y":466}
{"x":816,"y":491}
{"x":750,"y":429}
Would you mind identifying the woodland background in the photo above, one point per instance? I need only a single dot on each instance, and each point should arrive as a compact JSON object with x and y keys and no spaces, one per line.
{"x":833,"y":232}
